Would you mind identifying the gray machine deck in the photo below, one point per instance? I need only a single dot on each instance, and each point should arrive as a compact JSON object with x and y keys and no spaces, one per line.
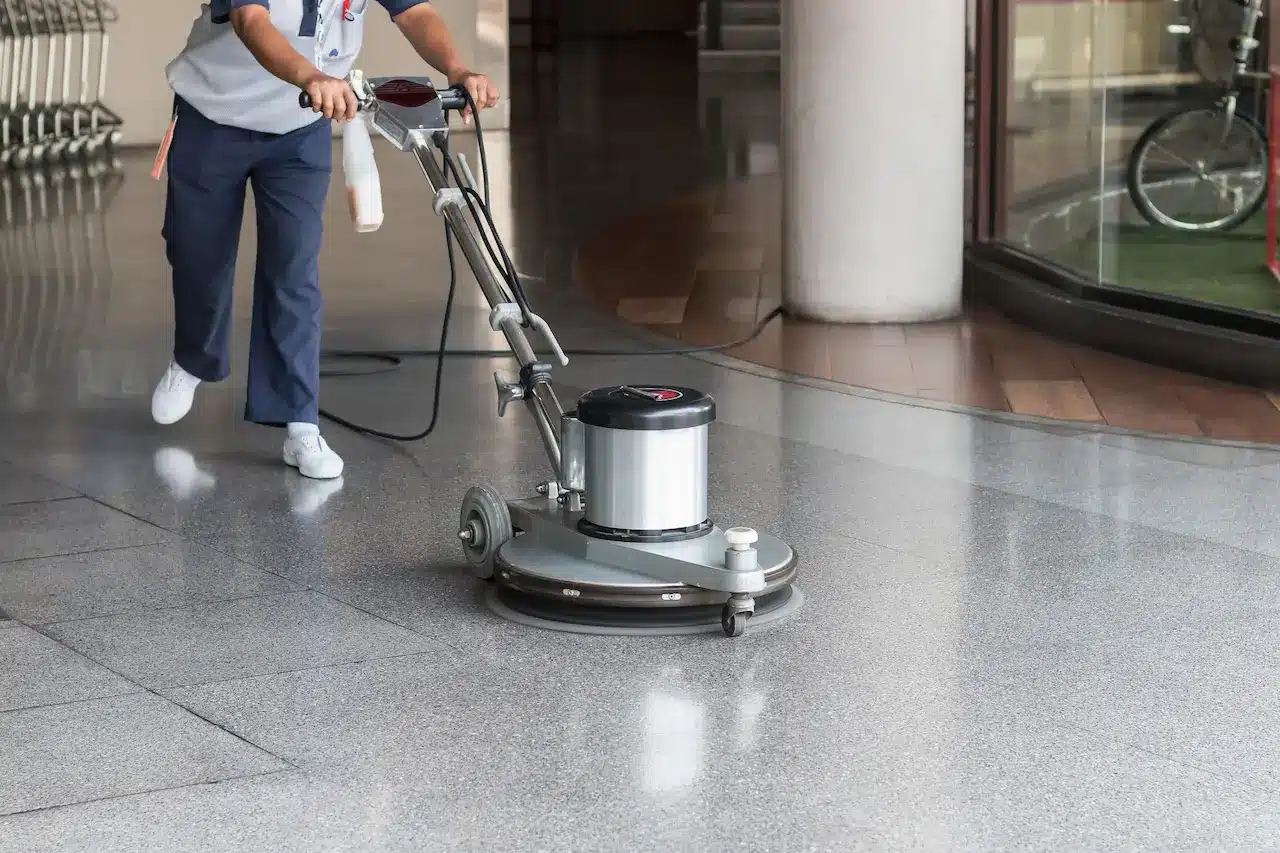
{"x":551,"y":557}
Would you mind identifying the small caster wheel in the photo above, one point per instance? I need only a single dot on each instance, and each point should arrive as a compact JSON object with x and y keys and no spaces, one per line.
{"x":484,"y":526}
{"x":735,"y":623}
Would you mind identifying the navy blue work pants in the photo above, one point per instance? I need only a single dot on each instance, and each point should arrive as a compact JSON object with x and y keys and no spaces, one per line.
{"x":209,"y":167}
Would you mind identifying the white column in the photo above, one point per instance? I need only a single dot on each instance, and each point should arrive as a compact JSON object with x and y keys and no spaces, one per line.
{"x":873,"y":159}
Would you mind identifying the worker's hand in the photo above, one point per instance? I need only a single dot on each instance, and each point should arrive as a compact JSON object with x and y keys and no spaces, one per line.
{"x":483,"y":92}
{"x":333,"y":97}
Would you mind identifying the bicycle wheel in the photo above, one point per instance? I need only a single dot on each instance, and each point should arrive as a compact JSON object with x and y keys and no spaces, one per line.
{"x":1192,"y":170}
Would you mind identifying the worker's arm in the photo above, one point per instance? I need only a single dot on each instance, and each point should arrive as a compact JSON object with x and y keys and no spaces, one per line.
{"x":329,"y":95}
{"x":422,"y":25}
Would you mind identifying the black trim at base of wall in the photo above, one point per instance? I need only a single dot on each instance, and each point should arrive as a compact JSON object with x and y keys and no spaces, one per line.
{"x":1179,"y":344}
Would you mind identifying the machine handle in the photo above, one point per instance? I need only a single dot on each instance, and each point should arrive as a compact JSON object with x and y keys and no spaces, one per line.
{"x":452,"y":98}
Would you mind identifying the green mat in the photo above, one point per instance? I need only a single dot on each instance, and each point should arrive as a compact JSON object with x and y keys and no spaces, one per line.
{"x":1226,"y":269}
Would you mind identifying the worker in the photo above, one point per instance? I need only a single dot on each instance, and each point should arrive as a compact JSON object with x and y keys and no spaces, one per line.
{"x":237,"y":123}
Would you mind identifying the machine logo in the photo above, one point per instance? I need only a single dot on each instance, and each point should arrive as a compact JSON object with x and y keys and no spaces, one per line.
{"x":405,"y":93}
{"x":663,"y":395}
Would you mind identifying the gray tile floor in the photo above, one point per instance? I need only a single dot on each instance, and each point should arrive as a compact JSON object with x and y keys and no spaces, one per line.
{"x":1015,"y":637}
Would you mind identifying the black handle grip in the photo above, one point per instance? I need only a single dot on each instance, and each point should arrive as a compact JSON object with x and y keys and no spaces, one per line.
{"x":452,"y":98}
{"x":304,"y":101}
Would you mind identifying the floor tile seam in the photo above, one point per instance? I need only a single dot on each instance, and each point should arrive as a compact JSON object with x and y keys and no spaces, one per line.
{"x":310,"y":587}
{"x":167,"y":608}
{"x":103,"y":502}
{"x":1048,"y":492}
{"x":4,"y":712}
{"x":932,"y":506}
{"x":228,"y":730}
{"x":238,"y":679}
{"x":4,"y":562}
{"x":1171,"y":528}
{"x":79,"y":653}
{"x":26,"y":468}
{"x":64,"y":498}
{"x":961,"y":501}
{"x":210,"y":542}
{"x":1225,"y":469}
{"x":433,"y":636}
{"x":1059,"y":501}
{"x":1273,"y":465}
{"x":1129,"y":746}
{"x":236,"y":777}
{"x":144,"y":688}
{"x":1153,"y":478}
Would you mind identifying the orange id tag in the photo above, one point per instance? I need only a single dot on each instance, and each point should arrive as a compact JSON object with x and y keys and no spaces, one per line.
{"x":162,"y":155}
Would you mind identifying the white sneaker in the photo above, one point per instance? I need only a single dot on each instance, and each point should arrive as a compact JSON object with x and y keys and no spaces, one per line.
{"x":174,"y":395}
{"x":312,"y":456}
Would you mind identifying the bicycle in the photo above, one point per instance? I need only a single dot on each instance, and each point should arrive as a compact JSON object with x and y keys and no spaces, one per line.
{"x":1224,"y":181}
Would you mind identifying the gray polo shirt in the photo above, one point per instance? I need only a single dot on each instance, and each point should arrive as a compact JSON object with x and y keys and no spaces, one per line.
{"x":217,"y":74}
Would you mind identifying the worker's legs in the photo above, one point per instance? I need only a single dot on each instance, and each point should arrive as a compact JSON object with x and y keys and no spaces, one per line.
{"x":290,"y":183}
{"x":208,"y":168}
{"x":289,"y":188}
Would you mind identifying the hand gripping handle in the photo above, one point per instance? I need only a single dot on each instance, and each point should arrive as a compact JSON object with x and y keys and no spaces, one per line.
{"x":453,"y":98}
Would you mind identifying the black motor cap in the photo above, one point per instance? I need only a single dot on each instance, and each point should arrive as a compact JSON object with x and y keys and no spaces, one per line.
{"x":646,"y":407}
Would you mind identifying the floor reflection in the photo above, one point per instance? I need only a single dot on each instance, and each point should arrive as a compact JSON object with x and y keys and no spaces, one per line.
{"x":56,"y":265}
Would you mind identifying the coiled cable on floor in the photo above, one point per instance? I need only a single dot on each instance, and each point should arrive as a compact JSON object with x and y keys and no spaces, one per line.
{"x":480,"y":211}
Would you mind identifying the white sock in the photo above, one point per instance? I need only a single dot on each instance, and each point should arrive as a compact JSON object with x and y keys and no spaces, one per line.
{"x":298,"y":429}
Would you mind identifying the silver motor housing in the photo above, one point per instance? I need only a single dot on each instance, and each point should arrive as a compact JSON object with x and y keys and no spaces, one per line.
{"x":639,"y":455}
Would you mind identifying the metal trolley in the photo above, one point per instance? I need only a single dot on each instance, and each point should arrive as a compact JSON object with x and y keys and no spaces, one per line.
{"x":53,"y":75}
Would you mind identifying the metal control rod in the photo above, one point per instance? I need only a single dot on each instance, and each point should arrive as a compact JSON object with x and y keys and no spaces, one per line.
{"x":424,"y":136}
{"x":541,"y":399}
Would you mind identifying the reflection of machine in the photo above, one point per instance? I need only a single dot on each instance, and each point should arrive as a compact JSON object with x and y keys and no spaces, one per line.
{"x":1205,"y":168}
{"x":620,"y":538}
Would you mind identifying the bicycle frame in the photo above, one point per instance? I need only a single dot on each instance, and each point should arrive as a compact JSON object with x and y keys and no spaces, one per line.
{"x":1243,"y":45}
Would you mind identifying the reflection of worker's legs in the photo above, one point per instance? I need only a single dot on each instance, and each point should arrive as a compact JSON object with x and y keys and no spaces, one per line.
{"x":208,"y":169}
{"x":289,"y":188}
{"x":290,"y":181}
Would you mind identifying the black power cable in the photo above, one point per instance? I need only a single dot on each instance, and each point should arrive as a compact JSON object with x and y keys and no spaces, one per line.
{"x":393,"y":359}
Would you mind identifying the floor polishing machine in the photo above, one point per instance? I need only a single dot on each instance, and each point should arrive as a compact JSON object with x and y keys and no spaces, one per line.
{"x":620,"y":538}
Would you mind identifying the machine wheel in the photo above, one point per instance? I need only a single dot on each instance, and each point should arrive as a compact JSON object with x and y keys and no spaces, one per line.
{"x":484,"y":526}
{"x":737,"y":610}
{"x":734,"y":624}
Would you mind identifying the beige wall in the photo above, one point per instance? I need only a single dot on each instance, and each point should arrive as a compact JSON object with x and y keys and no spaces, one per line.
{"x":151,"y":32}
{"x":1075,"y":39}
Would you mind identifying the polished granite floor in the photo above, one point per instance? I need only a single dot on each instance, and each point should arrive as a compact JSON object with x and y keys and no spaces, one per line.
{"x":1016,"y":637}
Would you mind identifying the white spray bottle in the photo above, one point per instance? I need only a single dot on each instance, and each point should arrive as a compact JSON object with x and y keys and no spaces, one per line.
{"x":364,"y":189}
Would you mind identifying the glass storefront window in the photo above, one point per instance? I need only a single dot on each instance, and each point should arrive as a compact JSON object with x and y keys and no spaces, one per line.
{"x":1131,"y":147}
